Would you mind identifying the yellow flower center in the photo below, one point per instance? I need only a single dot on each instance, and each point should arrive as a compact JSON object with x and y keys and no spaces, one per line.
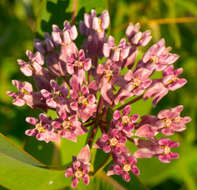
{"x":82,"y":100}
{"x":56,"y":95}
{"x":136,"y":82}
{"x":113,"y":141}
{"x":78,"y":64}
{"x":78,"y":174}
{"x":127,"y":167}
{"x":155,"y":59}
{"x":172,"y":80}
{"x":30,"y":67}
{"x":125,"y":119}
{"x":168,"y":122}
{"x":108,"y":73}
{"x":166,"y":150}
{"x":100,"y":28}
{"x":66,"y":124}
{"x":23,"y":91}
{"x":177,"y":119}
{"x":40,"y":128}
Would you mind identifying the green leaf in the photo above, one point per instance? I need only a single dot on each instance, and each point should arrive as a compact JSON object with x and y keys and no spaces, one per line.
{"x":118,"y":183}
{"x":19,"y":170}
{"x":188,"y":5}
{"x":69,"y":148}
{"x":18,"y":175}
{"x":10,"y":149}
{"x":100,"y":158}
{"x":98,"y":183}
{"x":57,"y":11}
{"x":153,"y":171}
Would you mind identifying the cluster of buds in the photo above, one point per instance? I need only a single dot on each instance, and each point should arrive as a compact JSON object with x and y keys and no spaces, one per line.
{"x":83,"y":86}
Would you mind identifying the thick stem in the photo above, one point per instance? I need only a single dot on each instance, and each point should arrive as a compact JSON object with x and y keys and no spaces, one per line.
{"x":89,"y":124}
{"x":93,"y":133}
{"x":74,"y":11}
{"x":130,"y":139}
{"x":130,"y":102}
{"x":94,"y":129}
{"x":56,"y":159}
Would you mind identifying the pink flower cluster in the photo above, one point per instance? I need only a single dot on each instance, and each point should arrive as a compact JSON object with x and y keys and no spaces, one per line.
{"x":83,"y":85}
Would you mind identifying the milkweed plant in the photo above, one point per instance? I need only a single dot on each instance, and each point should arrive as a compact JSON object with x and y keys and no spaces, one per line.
{"x":88,"y":87}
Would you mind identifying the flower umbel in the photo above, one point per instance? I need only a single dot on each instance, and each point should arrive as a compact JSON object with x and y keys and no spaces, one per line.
{"x":89,"y":86}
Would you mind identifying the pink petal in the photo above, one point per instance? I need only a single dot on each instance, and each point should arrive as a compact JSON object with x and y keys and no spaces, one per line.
{"x":86,"y":179}
{"x":126,"y":110}
{"x":31,"y":120}
{"x":69,"y":172}
{"x":84,"y":154}
{"x":105,"y":19}
{"x":18,"y":102}
{"x":116,"y":115}
{"x":87,"y":64}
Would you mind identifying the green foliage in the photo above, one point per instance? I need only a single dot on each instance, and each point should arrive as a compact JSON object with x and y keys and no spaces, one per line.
{"x":19,"y":170}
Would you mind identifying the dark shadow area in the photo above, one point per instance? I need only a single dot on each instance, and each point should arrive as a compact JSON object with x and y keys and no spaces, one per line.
{"x":58,"y":14}
{"x":168,"y":184}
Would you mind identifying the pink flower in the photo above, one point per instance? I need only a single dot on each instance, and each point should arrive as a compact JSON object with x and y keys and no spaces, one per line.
{"x":83,"y":102}
{"x":123,"y":163}
{"x":171,"y":80}
{"x":45,"y":46}
{"x":58,"y":95}
{"x":80,"y":167}
{"x":116,"y":53}
{"x":158,"y":57}
{"x":135,"y":84}
{"x":66,"y":36}
{"x":77,"y":64}
{"x":43,"y":129}
{"x":124,"y":122}
{"x":111,"y":141}
{"x":24,"y":96}
{"x":108,"y":74}
{"x":68,"y":126}
{"x":147,"y":148}
{"x":157,"y":90}
{"x":92,"y":22}
{"x":171,"y":121}
{"x":94,"y":28}
{"x":136,"y":37}
{"x":166,"y":145}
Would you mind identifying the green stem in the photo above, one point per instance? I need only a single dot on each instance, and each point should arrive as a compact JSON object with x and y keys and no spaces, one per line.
{"x":94,"y":129}
{"x":130,"y":102}
{"x":106,"y":161}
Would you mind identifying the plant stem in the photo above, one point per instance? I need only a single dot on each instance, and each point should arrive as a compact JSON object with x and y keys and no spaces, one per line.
{"x":111,"y":181}
{"x":94,"y":129}
{"x":107,"y":160}
{"x":130,"y":102}
{"x":89,"y":124}
{"x":56,"y":159}
{"x":74,"y":11}
{"x":93,"y":133}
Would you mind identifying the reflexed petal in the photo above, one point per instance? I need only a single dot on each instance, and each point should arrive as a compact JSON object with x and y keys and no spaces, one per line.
{"x":75,"y":182}
{"x":69,"y":172}
{"x":126,"y":110}
{"x":84,"y":154}
{"x":105,"y":19}
{"x":86,"y":179}
{"x":31,"y":120}
{"x":116,"y":115}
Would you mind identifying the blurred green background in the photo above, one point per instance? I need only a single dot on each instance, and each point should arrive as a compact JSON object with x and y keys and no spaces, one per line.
{"x":175,"y":20}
